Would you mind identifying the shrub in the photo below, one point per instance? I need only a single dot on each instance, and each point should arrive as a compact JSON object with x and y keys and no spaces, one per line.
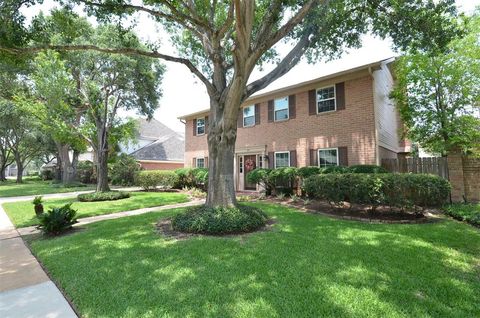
{"x":38,"y":205}
{"x":200,"y":177}
{"x":103,"y":196}
{"x":394,"y":190}
{"x":366,"y":169}
{"x":333,"y":169}
{"x":86,"y":172}
{"x":261,"y":176}
{"x":151,"y":179}
{"x":124,"y":170}
{"x":469,"y":213}
{"x":57,"y":220}
{"x":305,"y":172}
{"x":206,"y":220}
{"x":46,"y":175}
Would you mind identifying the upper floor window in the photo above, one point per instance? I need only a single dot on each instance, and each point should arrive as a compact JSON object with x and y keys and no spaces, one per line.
{"x":282,"y":159}
{"x":281,"y":108}
{"x":328,"y":157}
{"x":200,"y":162}
{"x":326,"y":99}
{"x":200,"y":126}
{"x":249,"y":116}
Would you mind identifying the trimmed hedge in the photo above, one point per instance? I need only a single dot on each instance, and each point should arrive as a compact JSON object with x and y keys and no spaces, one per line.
{"x":103,"y":196}
{"x":192,"y":178}
{"x":151,"y":179}
{"x":366,"y":169}
{"x":216,"y":221}
{"x":403,"y":191}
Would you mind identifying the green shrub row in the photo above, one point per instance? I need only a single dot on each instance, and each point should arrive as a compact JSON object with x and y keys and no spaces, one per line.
{"x":103,"y":196}
{"x":469,"y":213}
{"x":403,"y":191}
{"x":192,"y":178}
{"x":202,"y":219}
{"x":285,"y":180}
{"x":151,"y":179}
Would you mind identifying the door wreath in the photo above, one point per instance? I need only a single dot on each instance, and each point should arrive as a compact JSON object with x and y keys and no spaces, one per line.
{"x":249,"y":164}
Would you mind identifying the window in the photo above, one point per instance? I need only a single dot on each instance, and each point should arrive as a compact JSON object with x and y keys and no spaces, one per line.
{"x":200,"y":162}
{"x":249,"y":116}
{"x":282,"y":159}
{"x":260,"y":161}
{"x":281,"y":108}
{"x":327,"y":157}
{"x":200,"y":126}
{"x":326,"y":99}
{"x":240,"y":164}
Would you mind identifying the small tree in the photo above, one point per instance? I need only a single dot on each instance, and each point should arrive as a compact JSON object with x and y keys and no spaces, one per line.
{"x":438,"y":94}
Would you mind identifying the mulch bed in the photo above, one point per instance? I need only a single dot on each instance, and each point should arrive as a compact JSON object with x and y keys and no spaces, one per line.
{"x":362,"y":212}
{"x":164,"y":227}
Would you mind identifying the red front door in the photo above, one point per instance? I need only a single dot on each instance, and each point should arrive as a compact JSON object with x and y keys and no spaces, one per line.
{"x":249,"y":163}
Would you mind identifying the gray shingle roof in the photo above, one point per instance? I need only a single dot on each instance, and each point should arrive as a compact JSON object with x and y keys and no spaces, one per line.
{"x":167,"y":148}
{"x":153,"y":128}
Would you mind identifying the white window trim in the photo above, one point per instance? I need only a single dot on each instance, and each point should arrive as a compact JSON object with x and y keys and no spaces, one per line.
{"x":204,"y":126}
{"x":275,"y":158}
{"x":196,"y":162}
{"x":334,"y":99}
{"x":243,"y":115}
{"x":288,"y":109}
{"x":322,"y":149}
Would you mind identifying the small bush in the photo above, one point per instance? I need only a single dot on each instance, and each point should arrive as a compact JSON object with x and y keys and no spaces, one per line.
{"x":395,"y":190}
{"x":206,"y":220}
{"x":46,"y":175}
{"x":151,"y":179}
{"x":124,"y":170}
{"x":333,"y":169}
{"x":366,"y":169}
{"x":195,"y":193}
{"x":191,"y":178}
{"x":86,"y":172}
{"x":305,"y":172}
{"x":57,"y":220}
{"x":261,"y":176}
{"x":103,"y":196}
{"x":469,"y":213}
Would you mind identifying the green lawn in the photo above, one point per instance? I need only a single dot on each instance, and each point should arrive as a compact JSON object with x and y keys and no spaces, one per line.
{"x":307,"y":266}
{"x":22,"y":213}
{"x":465,"y":212}
{"x":35,"y":187}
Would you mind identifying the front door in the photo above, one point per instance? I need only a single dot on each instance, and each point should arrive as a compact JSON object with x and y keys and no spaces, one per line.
{"x":250,"y":163}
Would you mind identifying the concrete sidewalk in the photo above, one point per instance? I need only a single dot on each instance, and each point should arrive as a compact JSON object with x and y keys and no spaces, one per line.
{"x":25,"y":289}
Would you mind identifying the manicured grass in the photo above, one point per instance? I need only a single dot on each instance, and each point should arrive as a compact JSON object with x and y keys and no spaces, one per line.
{"x":22,"y":213}
{"x":465,"y":212}
{"x":306,"y":266}
{"x":35,"y":187}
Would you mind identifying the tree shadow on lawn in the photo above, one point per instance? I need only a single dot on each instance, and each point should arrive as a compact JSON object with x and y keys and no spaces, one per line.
{"x":308,"y":266}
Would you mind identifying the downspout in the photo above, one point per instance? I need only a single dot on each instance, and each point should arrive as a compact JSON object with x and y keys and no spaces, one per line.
{"x":375,"y":115}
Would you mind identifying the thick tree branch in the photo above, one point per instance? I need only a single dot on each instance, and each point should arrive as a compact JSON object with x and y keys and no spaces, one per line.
{"x":126,"y":50}
{"x":288,"y":62}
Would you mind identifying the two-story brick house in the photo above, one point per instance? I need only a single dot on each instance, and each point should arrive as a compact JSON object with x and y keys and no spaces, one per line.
{"x":344,"y":119}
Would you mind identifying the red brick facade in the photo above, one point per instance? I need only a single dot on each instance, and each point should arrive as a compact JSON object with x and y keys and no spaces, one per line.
{"x":352,"y":127}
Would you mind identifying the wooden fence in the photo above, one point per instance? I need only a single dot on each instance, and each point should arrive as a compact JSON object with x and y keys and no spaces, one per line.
{"x":436,"y":166}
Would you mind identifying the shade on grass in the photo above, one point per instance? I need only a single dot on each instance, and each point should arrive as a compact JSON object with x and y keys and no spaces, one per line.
{"x":22,"y":213}
{"x":34,"y":187}
{"x":306,"y":266}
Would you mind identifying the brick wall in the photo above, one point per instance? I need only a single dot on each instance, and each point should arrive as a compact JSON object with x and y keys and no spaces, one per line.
{"x":161,"y":165}
{"x":353,"y":127}
{"x":464,"y":175}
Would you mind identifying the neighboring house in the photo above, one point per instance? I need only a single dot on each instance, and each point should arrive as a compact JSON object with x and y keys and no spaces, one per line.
{"x":344,"y":119}
{"x":157,"y":147}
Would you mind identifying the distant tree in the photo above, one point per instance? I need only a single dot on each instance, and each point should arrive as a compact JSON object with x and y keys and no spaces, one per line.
{"x":222,"y":42}
{"x":25,"y":139}
{"x":438,"y":94}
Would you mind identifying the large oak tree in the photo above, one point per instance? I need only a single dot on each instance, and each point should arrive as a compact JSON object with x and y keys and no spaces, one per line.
{"x":222,"y":42}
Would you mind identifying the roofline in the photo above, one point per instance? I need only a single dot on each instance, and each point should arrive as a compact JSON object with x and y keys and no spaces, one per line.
{"x":305,"y":83}
{"x":161,"y":161}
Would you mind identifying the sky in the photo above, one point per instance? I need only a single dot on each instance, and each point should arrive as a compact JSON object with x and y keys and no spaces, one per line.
{"x":184,"y":94}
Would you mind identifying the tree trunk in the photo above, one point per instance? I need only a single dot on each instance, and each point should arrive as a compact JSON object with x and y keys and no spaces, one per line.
{"x":58,"y":168}
{"x":102,"y":159}
{"x":222,"y":134}
{"x":20,"y":169}
{"x":68,"y":172}
{"x":2,"y":173}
